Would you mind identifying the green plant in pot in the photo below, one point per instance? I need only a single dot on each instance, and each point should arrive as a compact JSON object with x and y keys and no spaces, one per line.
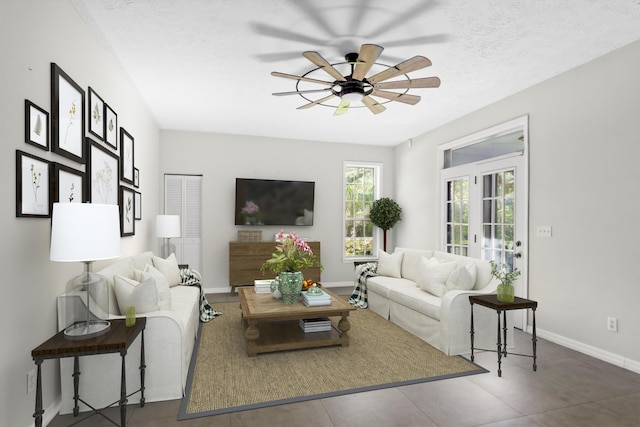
{"x":506,"y":290}
{"x":291,"y":255}
{"x":385,"y":213}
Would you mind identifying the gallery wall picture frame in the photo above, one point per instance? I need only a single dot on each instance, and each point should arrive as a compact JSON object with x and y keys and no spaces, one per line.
{"x":126,"y":156}
{"x":102,"y":173}
{"x":137,"y":202}
{"x":127,"y":211}
{"x":136,"y":177}
{"x":67,"y":116}
{"x":68,"y":185}
{"x":110,"y":127}
{"x":33,"y":191}
{"x":36,"y":125}
{"x":96,"y":115}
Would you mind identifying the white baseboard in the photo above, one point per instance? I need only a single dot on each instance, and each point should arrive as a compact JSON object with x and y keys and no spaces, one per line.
{"x":228,"y":289}
{"x":598,"y":353}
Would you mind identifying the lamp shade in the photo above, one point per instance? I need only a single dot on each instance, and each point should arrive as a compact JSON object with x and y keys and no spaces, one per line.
{"x":168,"y":226}
{"x":84,"y":232}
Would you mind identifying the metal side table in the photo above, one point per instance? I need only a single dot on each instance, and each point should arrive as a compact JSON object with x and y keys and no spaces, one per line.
{"x":116,"y":340}
{"x":491,"y":301}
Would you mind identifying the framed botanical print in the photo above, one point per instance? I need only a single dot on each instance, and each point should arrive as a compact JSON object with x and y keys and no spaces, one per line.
{"x":32,"y":186}
{"x":126,"y":156}
{"x":110,"y":127}
{"x":67,"y":185}
{"x":67,"y":116}
{"x":36,"y":129}
{"x":127,"y":212}
{"x":96,"y":114}
{"x":137,"y":205}
{"x":102,"y":174}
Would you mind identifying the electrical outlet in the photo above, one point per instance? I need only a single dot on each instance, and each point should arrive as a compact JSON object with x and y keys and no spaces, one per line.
{"x":612,"y":324}
{"x":543,"y":231}
{"x":31,"y":381}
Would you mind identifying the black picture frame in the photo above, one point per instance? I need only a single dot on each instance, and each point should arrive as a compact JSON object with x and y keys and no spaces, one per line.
{"x":110,"y":127}
{"x":136,"y":177}
{"x":137,"y":205}
{"x":96,"y":114}
{"x":33,"y":189}
{"x":67,"y":116}
{"x":36,"y":126}
{"x":126,"y":156}
{"x":68,"y":185}
{"x":102,"y":174}
{"x":126,"y":203}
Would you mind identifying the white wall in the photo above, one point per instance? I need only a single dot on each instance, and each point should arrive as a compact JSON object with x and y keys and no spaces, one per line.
{"x":222,"y":158}
{"x":35,"y":33}
{"x":584,"y":153}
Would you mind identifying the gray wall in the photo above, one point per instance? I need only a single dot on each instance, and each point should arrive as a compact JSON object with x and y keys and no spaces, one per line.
{"x":34,"y":34}
{"x":584,"y":151}
{"x":222,"y":158}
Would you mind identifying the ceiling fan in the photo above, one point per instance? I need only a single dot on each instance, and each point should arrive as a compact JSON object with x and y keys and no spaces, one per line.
{"x":356,"y":87}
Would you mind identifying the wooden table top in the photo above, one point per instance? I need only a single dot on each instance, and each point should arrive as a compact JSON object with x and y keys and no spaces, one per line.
{"x":116,"y":339}
{"x":265,"y":307}
{"x":491,"y":301}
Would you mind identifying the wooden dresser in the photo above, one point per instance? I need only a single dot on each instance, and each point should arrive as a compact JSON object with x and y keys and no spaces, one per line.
{"x":246,"y":258}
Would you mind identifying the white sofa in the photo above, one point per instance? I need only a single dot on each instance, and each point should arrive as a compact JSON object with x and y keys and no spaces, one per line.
{"x":409,"y":293}
{"x":169,"y":339}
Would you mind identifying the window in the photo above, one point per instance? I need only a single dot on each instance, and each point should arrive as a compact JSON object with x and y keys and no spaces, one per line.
{"x":361,"y":188}
{"x":458,"y":216}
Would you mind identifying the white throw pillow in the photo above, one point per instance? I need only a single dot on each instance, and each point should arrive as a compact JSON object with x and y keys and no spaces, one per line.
{"x":463,"y":278}
{"x":434,"y":275}
{"x":169,"y":268}
{"x":389,"y":265}
{"x":162,"y":286}
{"x":142,"y":295}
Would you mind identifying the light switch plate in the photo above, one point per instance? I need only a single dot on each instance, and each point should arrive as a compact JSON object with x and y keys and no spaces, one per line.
{"x":543,"y":231}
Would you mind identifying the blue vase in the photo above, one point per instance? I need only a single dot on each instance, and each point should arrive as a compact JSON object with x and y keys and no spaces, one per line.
{"x":290,"y":286}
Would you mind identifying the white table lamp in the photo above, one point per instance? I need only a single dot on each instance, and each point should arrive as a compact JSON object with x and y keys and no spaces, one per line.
{"x":86,"y":232}
{"x":167,"y":226}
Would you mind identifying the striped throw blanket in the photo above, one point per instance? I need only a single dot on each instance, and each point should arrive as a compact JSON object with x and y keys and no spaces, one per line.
{"x":358,"y":298}
{"x":189,"y":277}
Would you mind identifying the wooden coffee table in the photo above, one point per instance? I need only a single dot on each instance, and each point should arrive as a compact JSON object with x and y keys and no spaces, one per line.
{"x":274,"y":326}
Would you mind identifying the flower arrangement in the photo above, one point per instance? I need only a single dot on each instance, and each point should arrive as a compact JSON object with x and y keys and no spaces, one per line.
{"x":292,"y":254}
{"x":506,"y":277}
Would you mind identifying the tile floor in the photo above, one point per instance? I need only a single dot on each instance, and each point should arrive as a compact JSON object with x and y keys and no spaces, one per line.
{"x":569,"y":389}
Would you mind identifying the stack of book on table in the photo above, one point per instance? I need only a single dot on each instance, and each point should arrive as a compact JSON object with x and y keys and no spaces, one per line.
{"x":262,"y":286}
{"x":315,"y":300}
{"x":315,"y":325}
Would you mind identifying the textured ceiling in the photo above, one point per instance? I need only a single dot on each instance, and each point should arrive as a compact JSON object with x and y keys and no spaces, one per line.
{"x":204,"y":65}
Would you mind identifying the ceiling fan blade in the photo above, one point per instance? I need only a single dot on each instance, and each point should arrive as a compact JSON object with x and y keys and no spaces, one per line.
{"x":319,"y":101}
{"x":373,"y":105}
{"x":368,"y":55}
{"x":413,"y":64}
{"x":322,"y":63}
{"x":400,"y":97}
{"x":299,"y":92}
{"x":342,"y":108}
{"x":409,"y":84}
{"x":304,"y":79}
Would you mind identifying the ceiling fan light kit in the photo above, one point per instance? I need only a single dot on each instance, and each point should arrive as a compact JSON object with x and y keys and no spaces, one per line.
{"x":356,"y":87}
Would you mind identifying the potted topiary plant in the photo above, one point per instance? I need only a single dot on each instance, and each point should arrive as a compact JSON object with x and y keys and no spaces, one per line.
{"x":385,"y":213}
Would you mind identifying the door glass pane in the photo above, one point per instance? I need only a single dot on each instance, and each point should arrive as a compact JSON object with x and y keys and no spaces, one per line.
{"x":498,"y":217}
{"x":458,"y":216}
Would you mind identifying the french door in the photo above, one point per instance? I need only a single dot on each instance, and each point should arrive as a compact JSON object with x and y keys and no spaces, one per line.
{"x":485,"y":206}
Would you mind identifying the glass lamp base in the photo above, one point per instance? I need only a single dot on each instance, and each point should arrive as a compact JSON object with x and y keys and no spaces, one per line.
{"x":84,"y":330}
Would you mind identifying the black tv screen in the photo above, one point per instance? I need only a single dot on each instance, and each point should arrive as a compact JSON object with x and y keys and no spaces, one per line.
{"x":274,"y":202}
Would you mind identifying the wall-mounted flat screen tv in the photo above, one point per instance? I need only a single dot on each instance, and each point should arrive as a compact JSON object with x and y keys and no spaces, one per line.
{"x":274,"y":202}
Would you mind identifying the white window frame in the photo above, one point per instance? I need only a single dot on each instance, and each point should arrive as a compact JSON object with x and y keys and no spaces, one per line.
{"x":377,"y":191}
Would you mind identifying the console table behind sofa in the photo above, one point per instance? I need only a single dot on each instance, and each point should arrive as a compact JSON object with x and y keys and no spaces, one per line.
{"x":246,"y":258}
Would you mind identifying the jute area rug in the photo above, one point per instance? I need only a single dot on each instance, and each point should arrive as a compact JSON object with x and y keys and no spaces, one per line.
{"x":223,"y":379}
